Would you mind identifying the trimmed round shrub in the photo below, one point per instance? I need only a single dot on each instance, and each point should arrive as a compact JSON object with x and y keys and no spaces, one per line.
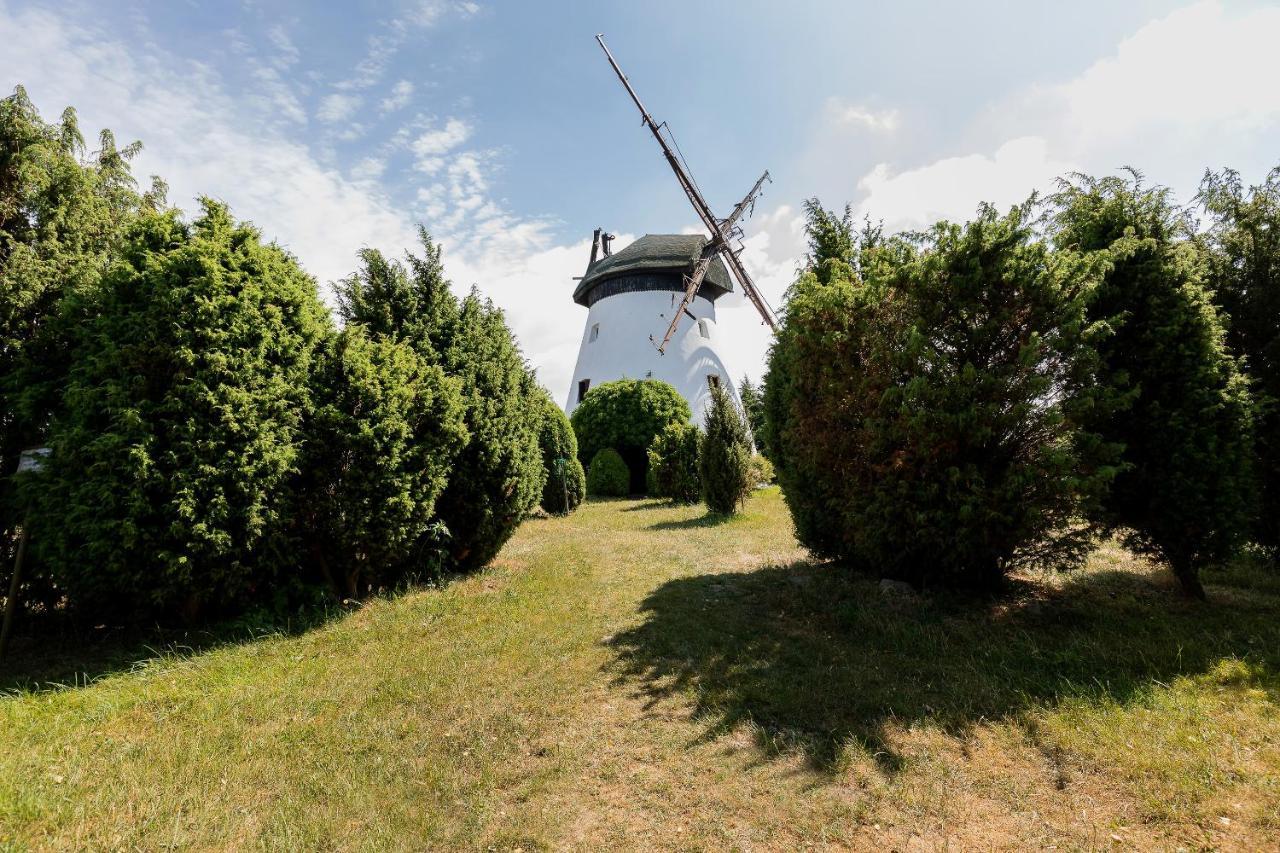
{"x":380,"y":443}
{"x":924,"y":419}
{"x":607,"y":476}
{"x":1185,"y":490}
{"x":724,"y":455}
{"x":566,"y":481}
{"x":673,"y":464}
{"x":626,"y":415}
{"x":178,"y":430}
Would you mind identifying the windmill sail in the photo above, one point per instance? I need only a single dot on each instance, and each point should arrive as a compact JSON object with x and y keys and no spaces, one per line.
{"x":721,"y":231}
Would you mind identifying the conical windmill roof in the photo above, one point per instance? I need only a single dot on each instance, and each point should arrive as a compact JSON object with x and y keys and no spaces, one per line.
{"x":656,"y":254}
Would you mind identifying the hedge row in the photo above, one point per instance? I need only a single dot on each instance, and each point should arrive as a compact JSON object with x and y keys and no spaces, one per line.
{"x":217,"y":442}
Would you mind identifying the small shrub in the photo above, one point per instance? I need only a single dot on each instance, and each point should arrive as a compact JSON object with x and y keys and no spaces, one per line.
{"x":608,"y":476}
{"x":761,"y":471}
{"x":724,"y":455}
{"x":625,"y":415}
{"x":566,"y":481}
{"x":673,"y":464}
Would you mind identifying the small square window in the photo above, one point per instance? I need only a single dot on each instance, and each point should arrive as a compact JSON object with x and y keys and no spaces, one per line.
{"x":704,"y":329}
{"x":595,"y":333}
{"x":583,"y":386}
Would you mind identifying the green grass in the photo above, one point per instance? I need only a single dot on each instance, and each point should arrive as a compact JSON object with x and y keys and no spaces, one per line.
{"x":639,"y":676}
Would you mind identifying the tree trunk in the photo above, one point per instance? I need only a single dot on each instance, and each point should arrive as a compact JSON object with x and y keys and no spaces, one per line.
{"x":1190,"y":580}
{"x":317,"y":552}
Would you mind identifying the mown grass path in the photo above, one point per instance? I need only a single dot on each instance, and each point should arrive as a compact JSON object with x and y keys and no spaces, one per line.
{"x":638,"y":676}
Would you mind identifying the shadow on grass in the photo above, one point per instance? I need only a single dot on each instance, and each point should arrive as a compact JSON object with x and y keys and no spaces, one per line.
{"x":816,"y":658}
{"x":55,"y":652}
{"x":646,"y":503}
{"x":710,"y":519}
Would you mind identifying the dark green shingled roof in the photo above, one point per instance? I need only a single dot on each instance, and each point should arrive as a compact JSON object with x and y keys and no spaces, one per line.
{"x":657,"y":253}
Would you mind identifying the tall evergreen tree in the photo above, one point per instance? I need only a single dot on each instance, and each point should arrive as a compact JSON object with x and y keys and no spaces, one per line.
{"x":832,"y":253}
{"x":384,"y":432}
{"x":1244,"y":273}
{"x":925,"y":420}
{"x":753,"y":407}
{"x":177,"y":432}
{"x":62,"y":214}
{"x":724,"y":456}
{"x":566,"y":483}
{"x":497,"y":477}
{"x":1185,"y":490}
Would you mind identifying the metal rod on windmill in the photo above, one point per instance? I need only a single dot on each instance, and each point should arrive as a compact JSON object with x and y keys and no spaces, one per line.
{"x":722,"y":230}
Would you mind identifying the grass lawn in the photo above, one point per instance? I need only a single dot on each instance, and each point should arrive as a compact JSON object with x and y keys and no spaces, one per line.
{"x":637,"y":676}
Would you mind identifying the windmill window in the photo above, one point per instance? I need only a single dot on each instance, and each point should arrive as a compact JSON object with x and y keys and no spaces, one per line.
{"x":595,"y":333}
{"x":583,"y":386}
{"x":703,"y":329}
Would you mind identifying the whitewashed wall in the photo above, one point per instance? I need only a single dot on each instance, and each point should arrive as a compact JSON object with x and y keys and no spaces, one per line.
{"x":622,"y":350}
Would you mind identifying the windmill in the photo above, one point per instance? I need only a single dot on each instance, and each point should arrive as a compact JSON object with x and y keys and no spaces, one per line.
{"x":665,"y":277}
{"x":721,"y":231}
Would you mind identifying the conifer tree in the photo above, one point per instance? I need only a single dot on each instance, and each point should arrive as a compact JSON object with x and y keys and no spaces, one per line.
{"x":497,"y":476}
{"x":673,"y":463}
{"x":381,"y":439}
{"x":724,"y":456}
{"x":62,"y":215}
{"x":1185,"y":489}
{"x":566,"y":480}
{"x":1244,"y":274}
{"x":925,"y":419}
{"x":753,"y":408}
{"x":178,"y":429}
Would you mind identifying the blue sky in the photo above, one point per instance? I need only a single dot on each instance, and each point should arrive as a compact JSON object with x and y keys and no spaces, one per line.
{"x":500,"y":126}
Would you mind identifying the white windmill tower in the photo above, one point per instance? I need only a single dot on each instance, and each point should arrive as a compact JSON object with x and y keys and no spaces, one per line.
{"x":658,"y":281}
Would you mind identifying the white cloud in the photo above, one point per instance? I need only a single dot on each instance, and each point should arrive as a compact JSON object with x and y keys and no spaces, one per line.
{"x":287,"y":52}
{"x":337,"y":107}
{"x":428,"y":146}
{"x":401,"y":92}
{"x":383,"y":47}
{"x":204,"y":140}
{"x":1193,"y":89}
{"x":1200,"y":67}
{"x":368,"y":169}
{"x":953,"y":188}
{"x":198,"y":137}
{"x":858,"y":115}
{"x":426,"y":13}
